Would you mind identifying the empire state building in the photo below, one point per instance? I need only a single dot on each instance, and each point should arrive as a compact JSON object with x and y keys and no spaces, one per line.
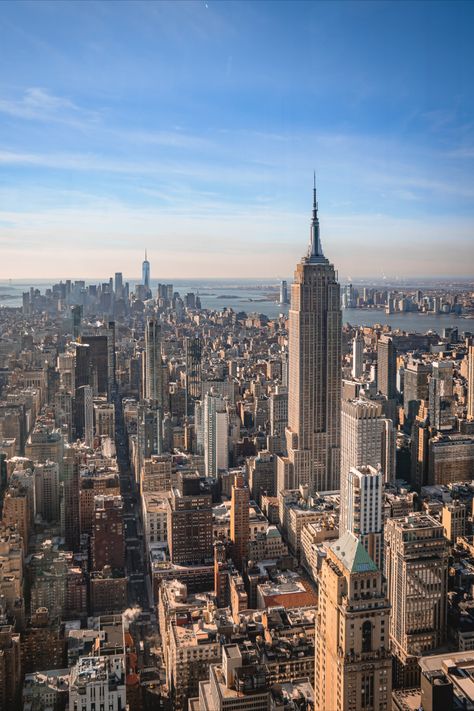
{"x":314,"y":384}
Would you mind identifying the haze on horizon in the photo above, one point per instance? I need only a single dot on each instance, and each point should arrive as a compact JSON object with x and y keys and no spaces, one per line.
{"x":192,"y":129}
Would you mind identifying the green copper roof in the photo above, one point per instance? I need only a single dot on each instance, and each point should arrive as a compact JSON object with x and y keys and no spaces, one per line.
{"x":353,"y":555}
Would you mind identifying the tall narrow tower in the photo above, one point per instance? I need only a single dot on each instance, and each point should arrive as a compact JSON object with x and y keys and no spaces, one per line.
{"x":357,"y":355}
{"x":193,"y":354}
{"x":386,"y":367}
{"x":239,"y":521}
{"x":153,"y":363}
{"x":146,"y":272}
{"x":313,"y":432}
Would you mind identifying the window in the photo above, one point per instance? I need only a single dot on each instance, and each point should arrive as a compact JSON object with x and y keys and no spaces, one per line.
{"x":367,"y":690}
{"x":367,"y":636}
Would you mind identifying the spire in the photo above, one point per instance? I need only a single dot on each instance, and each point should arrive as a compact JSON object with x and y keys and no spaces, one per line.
{"x":315,"y":250}
{"x":145,"y":256}
{"x":315,"y":202}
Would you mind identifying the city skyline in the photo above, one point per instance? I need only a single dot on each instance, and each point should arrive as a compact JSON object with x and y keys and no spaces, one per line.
{"x":192,"y":129}
{"x":250,"y":493}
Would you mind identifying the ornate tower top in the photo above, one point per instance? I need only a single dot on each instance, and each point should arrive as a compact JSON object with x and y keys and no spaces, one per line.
{"x":315,"y":251}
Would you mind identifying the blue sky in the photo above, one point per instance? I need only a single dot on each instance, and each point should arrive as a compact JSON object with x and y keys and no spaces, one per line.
{"x":192,"y":129}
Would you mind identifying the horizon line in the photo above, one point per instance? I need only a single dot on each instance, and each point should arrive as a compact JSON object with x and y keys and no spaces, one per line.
{"x":234,"y":278}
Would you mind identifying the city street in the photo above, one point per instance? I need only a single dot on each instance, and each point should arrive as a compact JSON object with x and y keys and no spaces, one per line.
{"x":139,"y":586}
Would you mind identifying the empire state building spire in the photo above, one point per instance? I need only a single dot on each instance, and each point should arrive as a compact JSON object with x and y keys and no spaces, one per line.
{"x":315,"y":252}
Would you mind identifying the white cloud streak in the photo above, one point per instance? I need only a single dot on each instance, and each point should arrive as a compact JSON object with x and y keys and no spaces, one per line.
{"x":38,"y":104}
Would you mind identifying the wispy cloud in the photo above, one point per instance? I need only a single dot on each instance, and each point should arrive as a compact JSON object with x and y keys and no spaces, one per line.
{"x":225,"y":239}
{"x":39,"y":104}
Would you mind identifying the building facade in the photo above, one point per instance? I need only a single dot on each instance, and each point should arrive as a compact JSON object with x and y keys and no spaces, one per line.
{"x":416,"y":569}
{"x":368,"y":438}
{"x":364,"y":509}
{"x":352,"y":651}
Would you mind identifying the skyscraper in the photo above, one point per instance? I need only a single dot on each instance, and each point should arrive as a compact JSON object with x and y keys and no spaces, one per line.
{"x":146,"y":272}
{"x":386,"y":367}
{"x":367,"y":439}
{"x":364,"y":509}
{"x":239,"y":521}
{"x":278,"y":416}
{"x":100,"y":359}
{"x":216,"y":434}
{"x":108,"y":537}
{"x":415,"y":387}
{"x":88,"y":415}
{"x":440,"y":396}
{"x":153,"y":363}
{"x":76,"y":313}
{"x":283,"y":292}
{"x":193,"y":353}
{"x":189,"y":513}
{"x":313,"y":432}
{"x":118,"y":285}
{"x":352,"y":654}
{"x":416,"y":569}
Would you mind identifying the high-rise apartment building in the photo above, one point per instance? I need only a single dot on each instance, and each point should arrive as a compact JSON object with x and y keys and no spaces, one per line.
{"x":441,"y":399}
{"x":153,"y":364}
{"x":278,"y":414}
{"x":416,"y":569}
{"x":387,"y":367}
{"x":189,"y":521}
{"x":364,"y":509}
{"x":216,"y":434}
{"x":47,"y":491}
{"x":261,"y":474}
{"x":98,"y":355}
{"x":357,"y":355}
{"x":367,"y":438}
{"x":88,"y":405}
{"x":108,"y":535}
{"x":193,"y":355}
{"x":239,"y":521}
{"x":415,"y":387}
{"x":353,"y":664}
{"x":313,"y":433}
